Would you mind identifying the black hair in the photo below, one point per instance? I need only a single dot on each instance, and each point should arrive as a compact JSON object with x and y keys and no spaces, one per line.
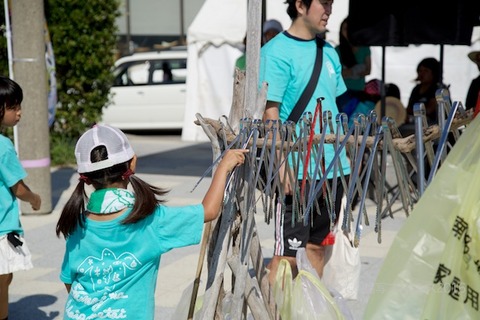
{"x":11,"y":95}
{"x":432,"y":64}
{"x":292,"y":9}
{"x":74,"y":213}
{"x":347,"y":57}
{"x":392,"y":90}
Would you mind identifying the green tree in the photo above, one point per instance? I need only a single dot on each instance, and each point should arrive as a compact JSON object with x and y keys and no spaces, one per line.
{"x":83,"y":34}
{"x":3,"y":43}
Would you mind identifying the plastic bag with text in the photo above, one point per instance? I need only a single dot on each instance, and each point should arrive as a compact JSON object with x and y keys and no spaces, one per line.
{"x":432,"y":270}
{"x":342,"y":270}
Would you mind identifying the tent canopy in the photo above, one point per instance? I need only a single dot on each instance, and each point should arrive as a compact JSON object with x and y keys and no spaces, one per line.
{"x":422,"y":22}
{"x":223,"y":27}
{"x":418,"y":22}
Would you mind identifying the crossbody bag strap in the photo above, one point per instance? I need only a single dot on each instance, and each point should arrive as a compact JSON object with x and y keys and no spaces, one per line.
{"x":310,"y":88}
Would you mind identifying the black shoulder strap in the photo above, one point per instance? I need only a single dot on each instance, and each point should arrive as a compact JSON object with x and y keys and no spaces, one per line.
{"x":310,"y":88}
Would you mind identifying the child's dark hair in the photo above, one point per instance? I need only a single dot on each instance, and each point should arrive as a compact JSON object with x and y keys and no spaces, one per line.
{"x":392,"y":90}
{"x":292,"y":9}
{"x":11,"y":95}
{"x":74,"y":213}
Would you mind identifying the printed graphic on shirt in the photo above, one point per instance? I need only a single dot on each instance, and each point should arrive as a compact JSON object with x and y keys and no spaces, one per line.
{"x":330,"y":68}
{"x":104,"y":272}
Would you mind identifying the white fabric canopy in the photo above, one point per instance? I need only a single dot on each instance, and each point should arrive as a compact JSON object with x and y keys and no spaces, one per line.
{"x":213,"y":40}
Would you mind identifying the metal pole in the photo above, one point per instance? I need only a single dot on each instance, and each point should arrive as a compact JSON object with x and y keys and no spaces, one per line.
{"x":419,"y":113}
{"x":254,"y":27}
{"x":383,"y":111}
{"x":28,"y":34}
{"x":9,"y":39}
{"x":10,"y":59}
{"x":182,"y":31}
{"x":441,"y":62}
{"x":129,"y":32}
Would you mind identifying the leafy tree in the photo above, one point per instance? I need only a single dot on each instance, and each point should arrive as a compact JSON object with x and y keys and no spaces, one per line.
{"x":3,"y":42}
{"x":83,"y":34}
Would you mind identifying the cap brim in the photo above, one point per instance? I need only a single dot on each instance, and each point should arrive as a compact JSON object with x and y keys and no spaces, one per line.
{"x":393,"y":109}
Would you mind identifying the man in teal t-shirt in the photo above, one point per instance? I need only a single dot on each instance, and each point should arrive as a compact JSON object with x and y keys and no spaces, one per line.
{"x":286,"y":64}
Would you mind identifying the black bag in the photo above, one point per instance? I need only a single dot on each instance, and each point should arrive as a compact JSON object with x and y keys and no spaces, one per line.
{"x":294,"y":115}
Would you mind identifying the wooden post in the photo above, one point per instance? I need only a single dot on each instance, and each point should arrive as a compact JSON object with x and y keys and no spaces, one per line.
{"x":29,"y":68}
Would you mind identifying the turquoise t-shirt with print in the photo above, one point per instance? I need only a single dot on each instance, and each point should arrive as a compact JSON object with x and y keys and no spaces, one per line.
{"x":112,"y":268}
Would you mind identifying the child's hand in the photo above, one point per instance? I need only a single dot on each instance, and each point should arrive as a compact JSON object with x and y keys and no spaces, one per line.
{"x":233,"y":158}
{"x":36,"y":202}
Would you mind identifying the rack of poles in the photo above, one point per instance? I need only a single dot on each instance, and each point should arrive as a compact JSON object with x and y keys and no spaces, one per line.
{"x":255,"y":187}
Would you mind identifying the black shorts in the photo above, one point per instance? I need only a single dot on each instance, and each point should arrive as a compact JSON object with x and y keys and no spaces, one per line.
{"x":291,"y":234}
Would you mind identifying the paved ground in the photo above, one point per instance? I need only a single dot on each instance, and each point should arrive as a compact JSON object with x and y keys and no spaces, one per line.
{"x":166,"y":161}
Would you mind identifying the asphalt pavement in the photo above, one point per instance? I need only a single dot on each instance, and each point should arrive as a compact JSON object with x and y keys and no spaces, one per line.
{"x":165,"y":161}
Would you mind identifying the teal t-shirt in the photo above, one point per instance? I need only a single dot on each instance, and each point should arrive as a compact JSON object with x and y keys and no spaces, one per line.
{"x":286,"y":64}
{"x":362,"y":107}
{"x":241,"y":62}
{"x":11,"y":172}
{"x":112,"y":268}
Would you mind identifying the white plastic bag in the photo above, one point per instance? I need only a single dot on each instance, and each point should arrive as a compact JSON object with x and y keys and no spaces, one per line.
{"x":305,"y":297}
{"x":342,"y":271}
{"x":311,"y":299}
{"x":282,"y":289}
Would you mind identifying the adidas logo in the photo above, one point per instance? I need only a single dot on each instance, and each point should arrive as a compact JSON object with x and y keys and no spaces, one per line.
{"x":294,"y":244}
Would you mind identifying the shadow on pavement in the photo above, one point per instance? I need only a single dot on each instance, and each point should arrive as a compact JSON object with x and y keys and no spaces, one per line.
{"x":29,"y":308}
{"x":60,"y":182}
{"x":189,"y":161}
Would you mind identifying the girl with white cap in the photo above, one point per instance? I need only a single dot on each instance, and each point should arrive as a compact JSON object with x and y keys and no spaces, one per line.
{"x":115,"y":237}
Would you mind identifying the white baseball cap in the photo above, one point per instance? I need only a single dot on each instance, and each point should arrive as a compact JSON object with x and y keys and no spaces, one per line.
{"x":114,"y":140}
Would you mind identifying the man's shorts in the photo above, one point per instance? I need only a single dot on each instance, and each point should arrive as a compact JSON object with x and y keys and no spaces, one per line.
{"x":291,"y":235}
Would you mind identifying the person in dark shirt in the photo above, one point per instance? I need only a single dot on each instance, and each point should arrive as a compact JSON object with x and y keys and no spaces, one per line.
{"x":356,"y":65}
{"x":428,"y":82}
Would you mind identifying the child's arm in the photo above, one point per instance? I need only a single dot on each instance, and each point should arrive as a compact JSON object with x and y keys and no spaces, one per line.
{"x":23,"y":192}
{"x":214,"y":196}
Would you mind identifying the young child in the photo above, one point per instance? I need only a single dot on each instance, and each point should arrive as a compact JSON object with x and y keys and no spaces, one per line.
{"x":115,"y":237}
{"x":14,"y":253}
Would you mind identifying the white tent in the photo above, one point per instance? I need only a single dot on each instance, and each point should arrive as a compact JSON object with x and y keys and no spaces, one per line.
{"x":215,"y":41}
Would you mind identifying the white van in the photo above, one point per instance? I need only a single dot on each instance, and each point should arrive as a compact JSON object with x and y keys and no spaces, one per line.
{"x":149,"y":91}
